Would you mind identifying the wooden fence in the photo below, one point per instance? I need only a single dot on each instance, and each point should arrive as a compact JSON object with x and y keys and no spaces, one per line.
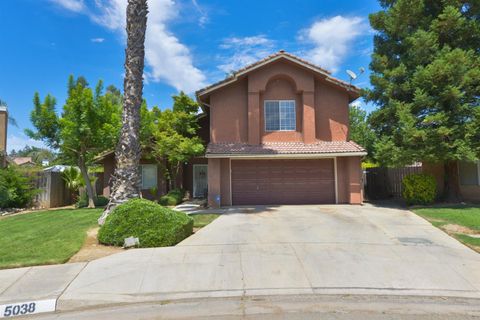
{"x":386,"y":183}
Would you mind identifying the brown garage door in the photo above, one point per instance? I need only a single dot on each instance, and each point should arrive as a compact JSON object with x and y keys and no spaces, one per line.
{"x":283,"y":181}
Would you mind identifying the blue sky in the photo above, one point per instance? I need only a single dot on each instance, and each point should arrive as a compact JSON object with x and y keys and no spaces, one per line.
{"x":190,"y":43}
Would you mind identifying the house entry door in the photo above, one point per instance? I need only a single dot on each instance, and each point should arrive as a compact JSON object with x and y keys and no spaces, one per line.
{"x":200,"y":186}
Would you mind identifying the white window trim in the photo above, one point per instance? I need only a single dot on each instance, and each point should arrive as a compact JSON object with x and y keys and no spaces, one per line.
{"x":265,"y":115}
{"x":141,"y":175}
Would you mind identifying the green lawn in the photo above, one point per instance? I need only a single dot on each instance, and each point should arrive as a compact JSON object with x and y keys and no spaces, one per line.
{"x":201,"y":220}
{"x":44,"y":237}
{"x":463,"y":215}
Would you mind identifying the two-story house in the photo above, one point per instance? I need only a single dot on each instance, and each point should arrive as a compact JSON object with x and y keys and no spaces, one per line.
{"x":279,"y":135}
{"x":276,"y":133}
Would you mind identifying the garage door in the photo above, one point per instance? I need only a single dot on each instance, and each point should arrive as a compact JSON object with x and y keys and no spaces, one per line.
{"x":283,"y":181}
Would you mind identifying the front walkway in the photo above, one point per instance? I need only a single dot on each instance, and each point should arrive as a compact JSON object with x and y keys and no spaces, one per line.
{"x":269,"y":251}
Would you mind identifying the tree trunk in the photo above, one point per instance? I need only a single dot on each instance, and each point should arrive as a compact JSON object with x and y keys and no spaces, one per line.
{"x":451,"y":182}
{"x":88,"y":183}
{"x":126,"y":178}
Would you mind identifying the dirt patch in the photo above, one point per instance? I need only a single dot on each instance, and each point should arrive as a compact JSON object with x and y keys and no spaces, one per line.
{"x":93,"y":250}
{"x":455,"y":228}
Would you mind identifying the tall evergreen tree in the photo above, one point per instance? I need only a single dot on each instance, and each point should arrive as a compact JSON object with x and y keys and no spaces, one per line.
{"x":426,"y":82}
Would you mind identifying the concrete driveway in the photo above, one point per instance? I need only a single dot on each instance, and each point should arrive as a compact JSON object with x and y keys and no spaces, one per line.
{"x":270,"y":251}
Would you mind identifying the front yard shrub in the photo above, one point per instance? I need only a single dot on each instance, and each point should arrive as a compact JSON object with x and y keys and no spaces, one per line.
{"x":16,"y":188}
{"x":100,"y":201}
{"x":152,"y":224}
{"x":419,"y":188}
{"x":172,"y":198}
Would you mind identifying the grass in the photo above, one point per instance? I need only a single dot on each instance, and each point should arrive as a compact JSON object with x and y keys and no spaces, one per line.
{"x":464,"y":215}
{"x":201,"y":220}
{"x":44,"y":237}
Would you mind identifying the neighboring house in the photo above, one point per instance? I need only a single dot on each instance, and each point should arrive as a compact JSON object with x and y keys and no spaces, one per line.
{"x":22,"y":161}
{"x":3,"y":136}
{"x":469,"y":178}
{"x":276,"y":133}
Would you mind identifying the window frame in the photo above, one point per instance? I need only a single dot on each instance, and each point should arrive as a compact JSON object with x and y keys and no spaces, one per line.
{"x":279,"y":115}
{"x":141,"y":175}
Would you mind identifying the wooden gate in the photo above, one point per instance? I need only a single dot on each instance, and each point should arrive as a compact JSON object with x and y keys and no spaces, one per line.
{"x":386,"y":183}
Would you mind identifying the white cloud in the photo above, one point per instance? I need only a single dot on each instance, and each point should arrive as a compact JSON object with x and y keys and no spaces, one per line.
{"x":244,"y":51}
{"x":166,"y":57}
{"x":332,"y":39}
{"x":203,"y":16}
{"x":20,"y":141}
{"x":71,"y":5}
{"x":97,"y":40}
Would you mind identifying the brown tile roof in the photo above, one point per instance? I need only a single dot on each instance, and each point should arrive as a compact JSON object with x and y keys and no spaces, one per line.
{"x":280,"y":53}
{"x":275,"y":148}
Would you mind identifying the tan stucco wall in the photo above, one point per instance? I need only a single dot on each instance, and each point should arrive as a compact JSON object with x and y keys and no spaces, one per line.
{"x":237,"y":113}
{"x":228,"y":114}
{"x":354,"y":180}
{"x":219,"y":182}
{"x":342,"y":182}
{"x":331,"y":113}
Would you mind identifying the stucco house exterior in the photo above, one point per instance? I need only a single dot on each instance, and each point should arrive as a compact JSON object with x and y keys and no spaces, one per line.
{"x":276,"y":132}
{"x":279,"y":135}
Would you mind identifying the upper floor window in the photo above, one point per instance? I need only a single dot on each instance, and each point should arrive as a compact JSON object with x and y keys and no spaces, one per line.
{"x":280,"y":115}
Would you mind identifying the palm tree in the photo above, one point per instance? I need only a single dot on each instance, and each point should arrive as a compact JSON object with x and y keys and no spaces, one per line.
{"x":126,"y":178}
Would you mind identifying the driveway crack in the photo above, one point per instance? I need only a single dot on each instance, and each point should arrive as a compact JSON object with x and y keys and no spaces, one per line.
{"x":301,"y":264}
{"x":244,"y":291}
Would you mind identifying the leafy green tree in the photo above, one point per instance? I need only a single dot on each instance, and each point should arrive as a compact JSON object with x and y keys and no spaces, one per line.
{"x":89,"y":124}
{"x":360,"y":130}
{"x":426,"y":82}
{"x":174,"y":135}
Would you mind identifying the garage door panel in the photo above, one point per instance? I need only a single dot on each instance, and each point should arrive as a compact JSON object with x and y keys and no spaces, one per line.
{"x":283,"y":181}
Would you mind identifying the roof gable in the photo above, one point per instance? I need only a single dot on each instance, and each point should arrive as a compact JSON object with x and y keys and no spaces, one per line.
{"x":353,"y":91}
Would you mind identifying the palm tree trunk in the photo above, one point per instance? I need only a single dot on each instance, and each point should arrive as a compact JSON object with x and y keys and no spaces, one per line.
{"x":126,"y":178}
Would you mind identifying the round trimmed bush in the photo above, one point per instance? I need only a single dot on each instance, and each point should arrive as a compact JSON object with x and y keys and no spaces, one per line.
{"x":419,"y":188}
{"x":172,"y":198}
{"x":152,"y":224}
